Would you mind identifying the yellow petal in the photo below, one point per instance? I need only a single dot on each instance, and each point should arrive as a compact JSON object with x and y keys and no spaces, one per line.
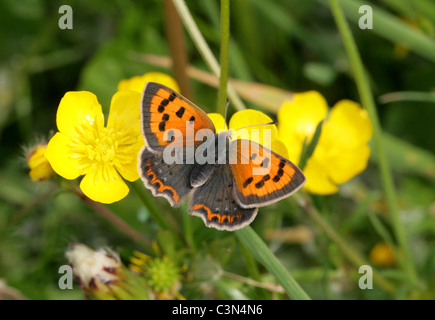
{"x":137,"y":83}
{"x":261,"y":134}
{"x":279,"y":147}
{"x":78,"y":108}
{"x":128,"y":170}
{"x":124,"y":111}
{"x":40,"y":169}
{"x":300,"y":116}
{"x":218,"y":121}
{"x":348,"y":163}
{"x":36,"y":156}
{"x":124,"y":119}
{"x":104,"y":185}
{"x":318,"y":180}
{"x":61,"y":158}
{"x":347,"y":125}
{"x":293,"y":147}
{"x":41,"y":172}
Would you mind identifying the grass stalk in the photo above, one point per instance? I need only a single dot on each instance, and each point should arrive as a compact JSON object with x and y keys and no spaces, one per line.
{"x":262,"y":254}
{"x":368,"y":103}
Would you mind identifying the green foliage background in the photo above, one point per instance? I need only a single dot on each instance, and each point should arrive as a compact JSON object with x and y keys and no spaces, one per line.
{"x":292,"y":45}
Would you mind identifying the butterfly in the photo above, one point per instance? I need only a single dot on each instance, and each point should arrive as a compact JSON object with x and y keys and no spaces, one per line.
{"x":225,"y":192}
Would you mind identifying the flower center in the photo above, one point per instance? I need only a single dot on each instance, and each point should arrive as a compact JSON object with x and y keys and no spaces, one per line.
{"x":95,"y":146}
{"x":104,"y":147}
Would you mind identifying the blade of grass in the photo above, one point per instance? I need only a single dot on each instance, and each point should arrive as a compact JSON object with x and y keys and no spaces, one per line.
{"x":391,"y":28}
{"x":263,"y":254}
{"x":367,"y":101}
{"x":407,"y":96}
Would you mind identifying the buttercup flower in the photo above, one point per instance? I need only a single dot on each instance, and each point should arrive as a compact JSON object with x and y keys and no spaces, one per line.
{"x":85,"y":147}
{"x":137,"y":83}
{"x":341,"y":152}
{"x":40,"y":169}
{"x":249,"y":118}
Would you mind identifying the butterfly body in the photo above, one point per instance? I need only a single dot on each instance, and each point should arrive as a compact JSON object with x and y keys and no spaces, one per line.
{"x":227,"y":180}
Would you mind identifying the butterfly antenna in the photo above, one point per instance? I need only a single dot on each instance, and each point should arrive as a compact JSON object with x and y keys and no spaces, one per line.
{"x":257,"y":125}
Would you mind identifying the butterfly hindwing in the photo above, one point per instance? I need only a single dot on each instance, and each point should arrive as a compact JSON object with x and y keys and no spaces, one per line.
{"x":214,"y":202}
{"x":167,"y":115}
{"x":262,"y":176}
{"x":171,"y":181}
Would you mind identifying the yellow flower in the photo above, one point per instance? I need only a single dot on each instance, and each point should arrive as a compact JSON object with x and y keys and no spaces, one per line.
{"x":382,"y":255}
{"x":40,"y":169}
{"x":248,"y":118}
{"x":84,"y":146}
{"x":137,"y":83}
{"x":342,"y":151}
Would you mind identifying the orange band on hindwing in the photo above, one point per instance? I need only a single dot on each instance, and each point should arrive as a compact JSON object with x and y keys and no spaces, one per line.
{"x":158,"y":184}
{"x":221,"y":217}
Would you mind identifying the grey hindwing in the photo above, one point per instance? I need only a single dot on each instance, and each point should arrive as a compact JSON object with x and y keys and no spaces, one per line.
{"x":214,"y":202}
{"x":171,"y":181}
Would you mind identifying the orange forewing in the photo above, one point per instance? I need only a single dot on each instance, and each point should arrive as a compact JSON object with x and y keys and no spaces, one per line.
{"x":261,"y":175}
{"x":164,"y":110}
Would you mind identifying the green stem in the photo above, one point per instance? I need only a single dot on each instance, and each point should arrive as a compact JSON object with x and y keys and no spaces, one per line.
{"x":164,"y":220}
{"x":107,"y":214}
{"x":367,"y":101}
{"x":225,"y":37}
{"x":204,"y":50}
{"x":263,"y":254}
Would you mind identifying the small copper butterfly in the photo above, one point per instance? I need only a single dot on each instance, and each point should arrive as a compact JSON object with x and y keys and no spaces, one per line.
{"x":225,"y":192}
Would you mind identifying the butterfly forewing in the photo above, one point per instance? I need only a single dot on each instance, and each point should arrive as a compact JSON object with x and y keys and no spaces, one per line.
{"x":262,"y":176}
{"x":170,"y":119}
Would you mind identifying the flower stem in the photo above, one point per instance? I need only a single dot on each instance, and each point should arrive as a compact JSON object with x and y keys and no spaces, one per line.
{"x":263,"y":254}
{"x":225,"y":37}
{"x":177,"y":47}
{"x":113,"y":219}
{"x":367,"y":101}
{"x":204,"y":50}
